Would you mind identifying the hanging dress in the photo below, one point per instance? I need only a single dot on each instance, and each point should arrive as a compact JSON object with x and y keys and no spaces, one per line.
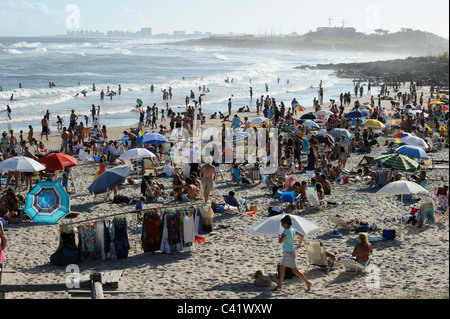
{"x":151,"y":233}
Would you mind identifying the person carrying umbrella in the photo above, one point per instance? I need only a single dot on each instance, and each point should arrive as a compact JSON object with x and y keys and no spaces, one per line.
{"x":289,"y":255}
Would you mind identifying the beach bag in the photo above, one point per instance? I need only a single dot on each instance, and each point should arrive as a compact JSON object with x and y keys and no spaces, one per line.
{"x":254,"y":208}
{"x":389,"y":233}
{"x":288,"y":274}
{"x":274,"y":211}
{"x":119,"y":199}
{"x":346,"y":180}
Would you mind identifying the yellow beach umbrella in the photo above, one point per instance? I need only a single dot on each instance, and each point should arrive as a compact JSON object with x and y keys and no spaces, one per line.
{"x":373,"y":123}
{"x":437,"y":103}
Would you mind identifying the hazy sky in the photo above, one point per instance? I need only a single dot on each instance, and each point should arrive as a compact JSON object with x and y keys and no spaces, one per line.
{"x":52,"y":17}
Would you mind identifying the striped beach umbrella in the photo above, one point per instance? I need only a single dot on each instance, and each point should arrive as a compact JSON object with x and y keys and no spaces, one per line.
{"x":48,"y":202}
{"x":298,"y":107}
{"x":399,"y":162}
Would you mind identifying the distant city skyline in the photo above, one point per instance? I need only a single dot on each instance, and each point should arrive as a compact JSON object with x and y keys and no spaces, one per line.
{"x":55,"y":17}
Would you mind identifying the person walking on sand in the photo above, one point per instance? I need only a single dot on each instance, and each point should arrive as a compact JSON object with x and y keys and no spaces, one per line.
{"x":209,"y":177}
{"x":289,"y":255}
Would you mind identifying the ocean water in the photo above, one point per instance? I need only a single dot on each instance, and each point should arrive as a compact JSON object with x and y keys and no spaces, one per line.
{"x":75,"y":64}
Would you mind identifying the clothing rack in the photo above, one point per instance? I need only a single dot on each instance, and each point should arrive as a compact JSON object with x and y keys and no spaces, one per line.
{"x":132,"y":212}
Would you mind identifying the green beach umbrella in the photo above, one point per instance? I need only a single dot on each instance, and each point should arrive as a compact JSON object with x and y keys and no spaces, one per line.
{"x":399,"y":162}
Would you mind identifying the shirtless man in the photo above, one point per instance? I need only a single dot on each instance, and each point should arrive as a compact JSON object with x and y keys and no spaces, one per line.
{"x":65,"y":140}
{"x":208,"y":176}
{"x":189,"y":191}
{"x":73,"y":119}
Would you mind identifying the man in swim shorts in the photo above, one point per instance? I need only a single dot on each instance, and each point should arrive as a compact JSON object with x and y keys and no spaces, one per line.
{"x":208,"y":176}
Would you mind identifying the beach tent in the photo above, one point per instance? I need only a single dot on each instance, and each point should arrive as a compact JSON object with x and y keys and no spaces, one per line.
{"x":272,"y":226}
{"x":399,"y":162}
{"x":48,"y":202}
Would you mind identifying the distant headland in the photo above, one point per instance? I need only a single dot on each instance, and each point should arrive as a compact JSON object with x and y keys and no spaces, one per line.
{"x":413,"y":42}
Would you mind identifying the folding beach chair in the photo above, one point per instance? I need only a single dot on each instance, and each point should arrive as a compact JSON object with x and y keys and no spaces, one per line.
{"x":313,"y":199}
{"x":317,"y":256}
{"x":367,"y":161}
{"x":354,"y":266}
{"x":288,"y":197}
{"x":440,"y":219}
{"x":384,"y":179}
{"x":266,"y":180}
{"x":339,"y":222}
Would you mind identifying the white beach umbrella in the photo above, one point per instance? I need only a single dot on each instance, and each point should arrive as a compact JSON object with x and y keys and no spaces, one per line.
{"x":402,"y":188}
{"x":258,"y":121}
{"x":323,"y":113}
{"x":136,"y":153}
{"x":21,"y":164}
{"x":414,"y":140}
{"x":272,"y":226}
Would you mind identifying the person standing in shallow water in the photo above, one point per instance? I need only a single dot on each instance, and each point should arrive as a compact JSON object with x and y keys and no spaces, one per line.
{"x":289,"y":254}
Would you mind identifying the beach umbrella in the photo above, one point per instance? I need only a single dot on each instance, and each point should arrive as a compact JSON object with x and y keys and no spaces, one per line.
{"x":272,"y":226}
{"x":412,"y":151}
{"x":21,"y":164}
{"x":323,"y":113}
{"x":136,"y":153}
{"x":48,"y":202}
{"x":57,"y":162}
{"x":309,"y":116}
{"x":339,"y":132}
{"x":437,"y":103}
{"x":408,"y":106}
{"x":399,"y":162}
{"x":109,"y":179}
{"x":414,"y":140}
{"x":402,"y":188}
{"x":357,"y":114}
{"x":309,"y":123}
{"x":373,"y":123}
{"x":258,"y":121}
{"x":152,"y":138}
{"x":298,"y":107}
{"x":445,"y":108}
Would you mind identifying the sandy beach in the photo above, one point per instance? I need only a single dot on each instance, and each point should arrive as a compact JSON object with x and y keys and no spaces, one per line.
{"x":413,"y":265}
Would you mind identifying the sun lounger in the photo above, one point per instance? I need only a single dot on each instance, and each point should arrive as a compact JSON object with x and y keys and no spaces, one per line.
{"x":317,"y":255}
{"x":440,"y":219}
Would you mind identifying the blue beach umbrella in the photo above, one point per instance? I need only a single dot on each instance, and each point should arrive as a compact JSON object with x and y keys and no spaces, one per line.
{"x":339,"y":132}
{"x":412,"y":151}
{"x":310,"y":123}
{"x":109,"y":179}
{"x":357,"y":114}
{"x":152,"y":138}
{"x":47,"y":203}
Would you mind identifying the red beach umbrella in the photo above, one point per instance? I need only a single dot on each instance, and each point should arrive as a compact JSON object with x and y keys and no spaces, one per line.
{"x":57,"y":162}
